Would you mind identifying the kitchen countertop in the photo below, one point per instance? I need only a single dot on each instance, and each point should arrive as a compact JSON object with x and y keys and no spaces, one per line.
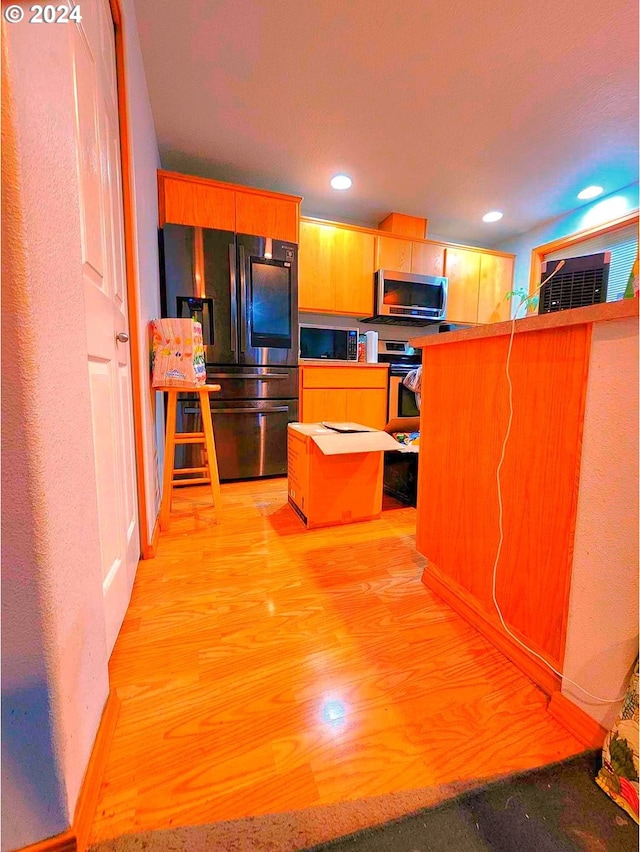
{"x":575,"y":316}
{"x":321,"y":363}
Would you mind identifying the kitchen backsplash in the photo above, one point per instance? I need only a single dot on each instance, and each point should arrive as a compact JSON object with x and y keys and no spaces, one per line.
{"x":385,"y":332}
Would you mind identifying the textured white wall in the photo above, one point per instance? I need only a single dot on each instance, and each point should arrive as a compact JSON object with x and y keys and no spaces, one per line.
{"x":597,"y":212}
{"x":602,"y":631}
{"x":54,"y":657}
{"x":52,"y":571}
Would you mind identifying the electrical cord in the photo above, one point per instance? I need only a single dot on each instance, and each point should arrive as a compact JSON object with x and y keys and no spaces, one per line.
{"x":500,"y":509}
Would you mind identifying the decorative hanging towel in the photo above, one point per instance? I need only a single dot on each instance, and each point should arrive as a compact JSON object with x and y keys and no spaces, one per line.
{"x":178,"y":353}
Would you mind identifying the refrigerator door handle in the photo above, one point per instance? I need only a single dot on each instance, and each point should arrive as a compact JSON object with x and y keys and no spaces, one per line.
{"x":234,"y":298}
{"x":274,"y":410}
{"x":262,"y":377}
{"x":243,"y":299}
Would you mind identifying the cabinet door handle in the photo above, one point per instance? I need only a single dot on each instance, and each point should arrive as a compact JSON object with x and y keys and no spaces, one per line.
{"x":122,"y":337}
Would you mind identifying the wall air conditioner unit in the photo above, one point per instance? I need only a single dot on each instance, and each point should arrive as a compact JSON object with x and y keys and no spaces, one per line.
{"x":581,"y":281}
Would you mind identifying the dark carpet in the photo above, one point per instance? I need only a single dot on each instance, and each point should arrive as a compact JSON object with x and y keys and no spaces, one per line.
{"x":555,"y":809}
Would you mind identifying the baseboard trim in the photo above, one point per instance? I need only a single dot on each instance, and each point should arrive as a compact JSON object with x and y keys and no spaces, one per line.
{"x":90,"y":791}
{"x":76,"y":838}
{"x":490,"y":627}
{"x":65,"y":842}
{"x":576,"y":721}
{"x":151,"y":549}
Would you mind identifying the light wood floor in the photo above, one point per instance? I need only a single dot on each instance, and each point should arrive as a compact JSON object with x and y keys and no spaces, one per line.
{"x":265,"y":668}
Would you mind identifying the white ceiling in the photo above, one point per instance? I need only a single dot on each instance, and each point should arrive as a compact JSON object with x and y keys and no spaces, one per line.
{"x":437,"y":109}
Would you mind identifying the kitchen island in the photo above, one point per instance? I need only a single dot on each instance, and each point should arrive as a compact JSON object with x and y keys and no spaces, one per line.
{"x":566,"y":578}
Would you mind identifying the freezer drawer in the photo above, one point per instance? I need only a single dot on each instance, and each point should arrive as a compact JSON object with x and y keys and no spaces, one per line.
{"x":250,"y":435}
{"x":254,"y":382}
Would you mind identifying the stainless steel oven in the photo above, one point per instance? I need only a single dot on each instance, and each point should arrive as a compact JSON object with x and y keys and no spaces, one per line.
{"x":401,"y":359}
{"x":402,"y":401}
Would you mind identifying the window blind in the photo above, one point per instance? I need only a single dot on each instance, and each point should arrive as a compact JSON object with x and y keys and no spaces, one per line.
{"x":623,"y":245}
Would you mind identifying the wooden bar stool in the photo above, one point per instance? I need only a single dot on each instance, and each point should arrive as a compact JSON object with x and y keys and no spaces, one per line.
{"x":210,"y":469}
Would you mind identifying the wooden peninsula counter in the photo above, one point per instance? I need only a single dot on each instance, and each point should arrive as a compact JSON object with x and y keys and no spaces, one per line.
{"x":567,"y":573}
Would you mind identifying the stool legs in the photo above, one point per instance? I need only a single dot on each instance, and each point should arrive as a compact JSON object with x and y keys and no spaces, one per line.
{"x":212,"y":458}
{"x":172,"y":438}
{"x":169,"y":459}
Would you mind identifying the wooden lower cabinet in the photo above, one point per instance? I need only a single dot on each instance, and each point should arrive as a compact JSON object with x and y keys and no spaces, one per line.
{"x":367,"y":406}
{"x":324,"y":404}
{"x":332,"y":393}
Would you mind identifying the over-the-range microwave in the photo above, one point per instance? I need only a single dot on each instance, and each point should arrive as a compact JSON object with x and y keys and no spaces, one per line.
{"x":327,"y":343}
{"x":408,"y":296}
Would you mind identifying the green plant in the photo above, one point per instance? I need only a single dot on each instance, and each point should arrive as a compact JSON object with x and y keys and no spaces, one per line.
{"x":525,"y":298}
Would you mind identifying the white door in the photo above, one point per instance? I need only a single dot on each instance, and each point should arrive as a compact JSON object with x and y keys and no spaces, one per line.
{"x":103,"y":269}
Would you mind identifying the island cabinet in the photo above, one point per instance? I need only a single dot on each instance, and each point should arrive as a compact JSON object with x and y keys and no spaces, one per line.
{"x":574,"y":378}
{"x":335,"y":269}
{"x":188,"y":200}
{"x":355,"y":394}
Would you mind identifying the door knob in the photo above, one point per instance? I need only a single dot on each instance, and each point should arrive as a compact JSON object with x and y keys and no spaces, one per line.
{"x":122,"y":337}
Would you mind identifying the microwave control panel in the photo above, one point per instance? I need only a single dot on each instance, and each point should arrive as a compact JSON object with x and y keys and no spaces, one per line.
{"x":352,"y":346}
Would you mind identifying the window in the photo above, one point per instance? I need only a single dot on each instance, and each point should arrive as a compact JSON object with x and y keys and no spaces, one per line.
{"x":623,"y":245}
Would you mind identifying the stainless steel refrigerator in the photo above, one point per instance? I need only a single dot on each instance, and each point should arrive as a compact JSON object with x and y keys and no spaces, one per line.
{"x":244,"y":291}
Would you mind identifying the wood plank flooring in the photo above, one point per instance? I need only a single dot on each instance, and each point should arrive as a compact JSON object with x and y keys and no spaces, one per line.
{"x":263,"y":667}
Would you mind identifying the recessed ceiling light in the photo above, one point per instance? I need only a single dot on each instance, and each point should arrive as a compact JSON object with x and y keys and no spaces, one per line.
{"x":590,"y":192}
{"x":341,"y":182}
{"x":492,"y":216}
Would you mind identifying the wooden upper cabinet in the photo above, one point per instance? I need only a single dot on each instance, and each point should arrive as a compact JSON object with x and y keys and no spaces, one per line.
{"x":267,"y":216}
{"x":184,"y":201}
{"x":353,"y":271}
{"x":402,"y":255}
{"x":478,"y":284}
{"x":315,"y":268}
{"x":394,"y":253}
{"x":427,"y":258}
{"x":462,"y":268}
{"x":496,"y":280}
{"x":335,"y":269}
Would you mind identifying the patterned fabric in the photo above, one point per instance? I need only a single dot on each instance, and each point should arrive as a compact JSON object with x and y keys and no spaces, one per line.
{"x":619,"y":774}
{"x":632,"y":284}
{"x":178,"y":353}
{"x":413,"y":381}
